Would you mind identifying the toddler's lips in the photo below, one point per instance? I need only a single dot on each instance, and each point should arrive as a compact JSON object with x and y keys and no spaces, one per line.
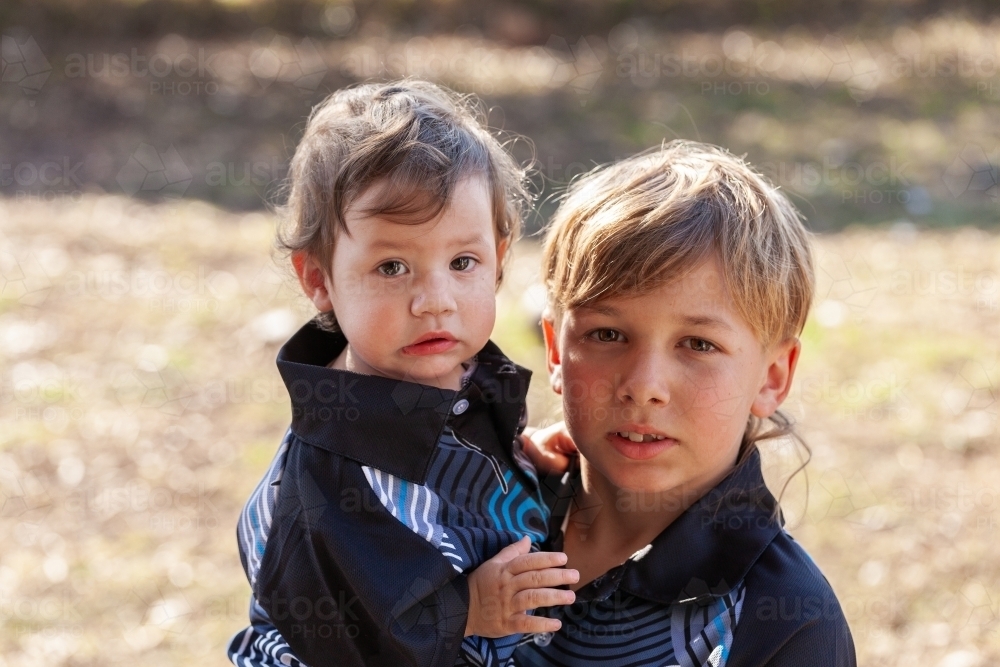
{"x":431,"y":344}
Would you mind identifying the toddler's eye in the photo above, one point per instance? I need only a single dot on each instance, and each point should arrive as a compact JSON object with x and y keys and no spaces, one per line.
{"x":393,"y":268}
{"x":463,"y":263}
{"x":700,"y":345}
{"x":606,"y":335}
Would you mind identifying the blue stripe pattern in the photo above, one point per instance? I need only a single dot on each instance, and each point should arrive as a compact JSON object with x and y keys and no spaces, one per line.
{"x":463,"y":510}
{"x":626,"y":631}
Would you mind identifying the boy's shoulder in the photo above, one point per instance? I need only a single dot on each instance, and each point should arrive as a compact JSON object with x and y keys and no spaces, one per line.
{"x":790,"y":610}
{"x":786,"y":570}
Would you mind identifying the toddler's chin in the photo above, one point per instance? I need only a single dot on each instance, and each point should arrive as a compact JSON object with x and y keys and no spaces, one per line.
{"x":432,"y":372}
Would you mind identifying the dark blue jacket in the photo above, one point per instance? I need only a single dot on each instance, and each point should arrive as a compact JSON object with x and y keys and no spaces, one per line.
{"x":383,"y":496}
{"x":724,"y":584}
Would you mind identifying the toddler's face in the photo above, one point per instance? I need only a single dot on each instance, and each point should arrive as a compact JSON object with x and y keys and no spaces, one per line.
{"x":657,"y":389}
{"x":415,"y":301}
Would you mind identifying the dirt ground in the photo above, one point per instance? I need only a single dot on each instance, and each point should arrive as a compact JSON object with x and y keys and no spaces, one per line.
{"x":140,"y":403}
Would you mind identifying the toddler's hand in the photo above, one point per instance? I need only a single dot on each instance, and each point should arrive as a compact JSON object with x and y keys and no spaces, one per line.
{"x":549,"y":447}
{"x":510,"y":583}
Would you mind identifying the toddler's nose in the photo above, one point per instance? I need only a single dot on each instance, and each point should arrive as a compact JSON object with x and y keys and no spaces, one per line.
{"x":433,"y":296}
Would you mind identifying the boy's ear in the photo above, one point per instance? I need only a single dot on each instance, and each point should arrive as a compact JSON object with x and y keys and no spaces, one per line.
{"x":553,"y":360}
{"x":313,"y":280}
{"x":778,"y":378}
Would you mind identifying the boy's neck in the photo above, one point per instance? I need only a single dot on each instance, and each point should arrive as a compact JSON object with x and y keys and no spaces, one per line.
{"x":621,"y":522}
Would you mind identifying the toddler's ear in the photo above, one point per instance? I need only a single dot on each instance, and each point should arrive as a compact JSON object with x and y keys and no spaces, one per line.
{"x":782,"y":360}
{"x":553,"y":360}
{"x":313,"y":280}
{"x":502,"y":246}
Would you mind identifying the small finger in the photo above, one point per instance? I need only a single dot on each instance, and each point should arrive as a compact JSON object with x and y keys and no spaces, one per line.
{"x":533,"y":598}
{"x":538,"y":560}
{"x":563,"y":443}
{"x":554,"y":436}
{"x":512,"y":551}
{"x":548,"y":578}
{"x":552,"y":463}
{"x":525,"y":623}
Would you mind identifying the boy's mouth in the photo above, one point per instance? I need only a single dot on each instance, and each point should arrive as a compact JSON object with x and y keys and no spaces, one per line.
{"x":641,"y":443}
{"x":432,"y":342}
{"x":640,"y":437}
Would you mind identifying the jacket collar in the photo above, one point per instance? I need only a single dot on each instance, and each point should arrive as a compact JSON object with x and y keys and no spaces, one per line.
{"x":704,"y":553}
{"x":394,"y":425}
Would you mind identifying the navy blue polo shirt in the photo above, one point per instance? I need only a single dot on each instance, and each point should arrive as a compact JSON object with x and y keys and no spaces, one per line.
{"x":383,"y":496}
{"x":724,"y":584}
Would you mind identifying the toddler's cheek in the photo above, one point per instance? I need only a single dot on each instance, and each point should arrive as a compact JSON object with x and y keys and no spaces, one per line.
{"x":479,"y":297}
{"x":478,"y":317}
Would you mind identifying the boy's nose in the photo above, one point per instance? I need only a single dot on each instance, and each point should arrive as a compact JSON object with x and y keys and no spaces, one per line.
{"x":433,"y":296}
{"x":643,"y":381}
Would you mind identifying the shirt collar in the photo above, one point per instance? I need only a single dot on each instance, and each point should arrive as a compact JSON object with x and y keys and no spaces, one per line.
{"x":394,"y":425}
{"x":705,"y":552}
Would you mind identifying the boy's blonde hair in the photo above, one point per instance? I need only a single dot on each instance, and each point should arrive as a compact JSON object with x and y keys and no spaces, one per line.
{"x":420,"y":139}
{"x":624,"y":229}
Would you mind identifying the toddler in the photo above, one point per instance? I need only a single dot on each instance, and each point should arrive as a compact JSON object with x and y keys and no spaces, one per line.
{"x":396,"y":522}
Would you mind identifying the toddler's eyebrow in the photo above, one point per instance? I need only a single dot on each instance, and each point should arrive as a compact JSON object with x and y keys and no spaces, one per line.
{"x":385,"y":244}
{"x":477,"y":239}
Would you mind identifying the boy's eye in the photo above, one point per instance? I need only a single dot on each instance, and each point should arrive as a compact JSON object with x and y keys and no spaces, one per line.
{"x":700,"y":345}
{"x":393,"y":268}
{"x":463,"y":263}
{"x":606,"y":335}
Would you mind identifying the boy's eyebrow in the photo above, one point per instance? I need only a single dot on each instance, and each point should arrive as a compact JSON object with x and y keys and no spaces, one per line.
{"x":689,"y":320}
{"x":707,"y":321}
{"x":610,"y":311}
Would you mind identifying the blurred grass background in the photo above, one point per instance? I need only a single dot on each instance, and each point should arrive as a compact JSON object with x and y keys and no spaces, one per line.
{"x":140,"y":311}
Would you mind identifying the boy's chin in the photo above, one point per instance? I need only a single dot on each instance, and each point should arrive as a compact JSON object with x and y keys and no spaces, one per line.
{"x":643,"y":483}
{"x":639,"y":477}
{"x":638,"y":480}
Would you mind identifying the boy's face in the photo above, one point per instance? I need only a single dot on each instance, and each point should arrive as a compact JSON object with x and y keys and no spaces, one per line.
{"x":678,"y":366}
{"x":414,"y":301}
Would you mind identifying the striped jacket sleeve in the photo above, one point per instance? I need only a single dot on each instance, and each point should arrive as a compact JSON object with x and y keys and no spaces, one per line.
{"x":255,"y":521}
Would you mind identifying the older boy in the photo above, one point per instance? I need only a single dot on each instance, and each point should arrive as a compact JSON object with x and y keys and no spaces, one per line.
{"x":679,"y":281}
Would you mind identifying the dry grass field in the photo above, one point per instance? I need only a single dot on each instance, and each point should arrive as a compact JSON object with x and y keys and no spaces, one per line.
{"x":140,"y":403}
